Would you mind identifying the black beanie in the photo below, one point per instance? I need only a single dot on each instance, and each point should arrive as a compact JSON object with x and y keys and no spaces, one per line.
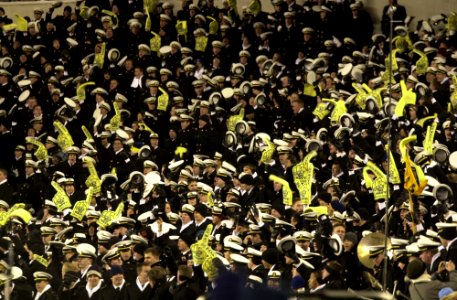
{"x":415,"y":269}
{"x":201,"y":209}
{"x":140,"y":248}
{"x":188,"y":239}
{"x":271,"y":256}
{"x":324,"y":196}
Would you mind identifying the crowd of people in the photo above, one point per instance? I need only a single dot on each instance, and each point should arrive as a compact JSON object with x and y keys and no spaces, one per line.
{"x":156,"y":152}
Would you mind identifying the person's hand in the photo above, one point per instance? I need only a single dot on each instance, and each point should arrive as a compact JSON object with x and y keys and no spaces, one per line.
{"x":441,"y":267}
{"x":450,"y":266}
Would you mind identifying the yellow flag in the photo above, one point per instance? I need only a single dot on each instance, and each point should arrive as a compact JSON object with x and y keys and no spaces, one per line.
{"x":100,"y":57}
{"x":394,"y":175}
{"x":115,"y":121}
{"x":200,"y":43}
{"x":287,"y":197}
{"x":21,"y":23}
{"x":81,"y":90}
{"x":155,"y":42}
{"x":162,"y":100}
{"x":415,"y":181}
{"x":255,"y":7}
{"x":319,"y":210}
{"x":60,"y":198}
{"x":43,"y":261}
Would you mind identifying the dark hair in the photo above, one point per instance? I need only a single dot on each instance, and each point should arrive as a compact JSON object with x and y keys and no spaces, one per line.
{"x":157,"y":274}
{"x":140,"y":266}
{"x":154,"y":250}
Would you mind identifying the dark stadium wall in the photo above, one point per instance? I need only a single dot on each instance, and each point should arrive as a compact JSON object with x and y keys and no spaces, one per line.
{"x":420,"y":9}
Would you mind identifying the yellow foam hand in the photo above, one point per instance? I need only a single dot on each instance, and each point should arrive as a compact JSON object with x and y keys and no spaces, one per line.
{"x":60,"y":198}
{"x":286,"y":191}
{"x":408,"y":97}
{"x":81,"y":90}
{"x":155,"y":42}
{"x":64,"y":139}
{"x":180,"y":151}
{"x":41,"y":152}
{"x":162,"y":101}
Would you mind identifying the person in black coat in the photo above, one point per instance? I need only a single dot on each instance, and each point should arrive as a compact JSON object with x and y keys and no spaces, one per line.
{"x":398,"y":16}
{"x":117,"y":289}
{"x":331,"y":275}
{"x":44,"y":290}
{"x":6,"y":191}
{"x":158,"y":281}
{"x":186,"y":288}
{"x":92,"y":290}
{"x":141,"y":289}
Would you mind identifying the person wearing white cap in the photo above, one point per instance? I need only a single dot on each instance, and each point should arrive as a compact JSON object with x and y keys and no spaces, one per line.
{"x":44,"y":290}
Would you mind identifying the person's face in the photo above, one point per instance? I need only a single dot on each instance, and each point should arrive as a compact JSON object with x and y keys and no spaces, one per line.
{"x":193,"y":185}
{"x":126,"y":254}
{"x":154,"y":142}
{"x":340,"y":230}
{"x":185,"y":218}
{"x":93,"y":280}
{"x":69,"y":189}
{"x":295,"y":106}
{"x":40,"y":285}
{"x":336,"y":169}
{"x":83,"y":262}
{"x":298,"y":206}
{"x":185,"y":124}
{"x":149,"y":258}
{"x":116,"y":262}
{"x":117,"y":145}
{"x":46,"y":239}
{"x":182,"y":246}
{"x":117,"y":279}
{"x":143,"y":275}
